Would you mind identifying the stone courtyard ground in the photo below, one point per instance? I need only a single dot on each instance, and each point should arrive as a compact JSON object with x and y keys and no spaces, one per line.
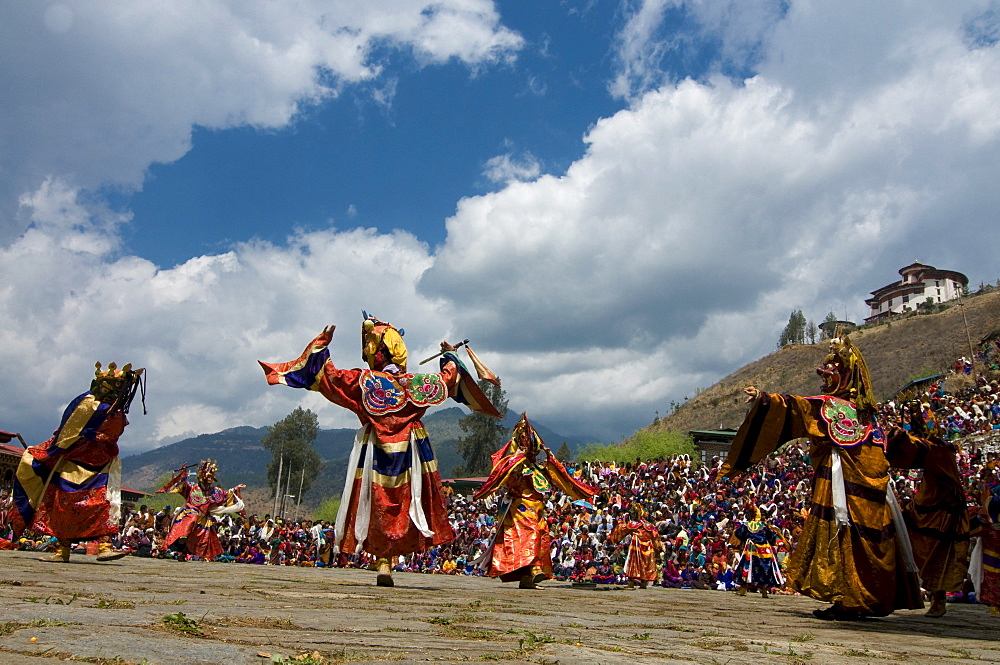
{"x":163,"y":612}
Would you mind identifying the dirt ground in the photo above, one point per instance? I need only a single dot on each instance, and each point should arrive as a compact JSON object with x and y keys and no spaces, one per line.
{"x":163,"y":612}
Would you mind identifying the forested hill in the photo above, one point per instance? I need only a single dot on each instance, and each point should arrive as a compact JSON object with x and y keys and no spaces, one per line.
{"x":896,"y":353}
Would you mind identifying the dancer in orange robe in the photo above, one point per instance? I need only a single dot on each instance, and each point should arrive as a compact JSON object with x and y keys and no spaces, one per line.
{"x":522,"y":546}
{"x":393,"y":502}
{"x":642,"y":564}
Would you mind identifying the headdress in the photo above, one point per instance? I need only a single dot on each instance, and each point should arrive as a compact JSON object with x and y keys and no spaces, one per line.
{"x":118,"y":386}
{"x":524,"y":436}
{"x":206,"y":471}
{"x":845,"y":374}
{"x":382,"y":344}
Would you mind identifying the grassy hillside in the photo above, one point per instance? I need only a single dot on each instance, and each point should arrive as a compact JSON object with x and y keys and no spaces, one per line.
{"x":896,"y":352}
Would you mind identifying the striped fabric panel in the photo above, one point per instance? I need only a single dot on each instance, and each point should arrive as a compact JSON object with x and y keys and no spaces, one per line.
{"x":869,"y":533}
{"x":467,"y":391}
{"x":302,"y":372}
{"x":393,"y":468}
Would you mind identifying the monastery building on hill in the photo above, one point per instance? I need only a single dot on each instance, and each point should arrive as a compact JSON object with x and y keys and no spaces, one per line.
{"x":920,"y":283}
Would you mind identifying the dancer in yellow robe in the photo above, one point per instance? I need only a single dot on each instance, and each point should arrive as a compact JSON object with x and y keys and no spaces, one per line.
{"x":853,"y":551}
{"x":642,"y":564}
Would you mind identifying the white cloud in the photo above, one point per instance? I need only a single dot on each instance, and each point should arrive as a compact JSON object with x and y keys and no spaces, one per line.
{"x":667,"y":255}
{"x":702,"y":215}
{"x":657,"y":33}
{"x":509,"y":167}
{"x":95,"y":91}
{"x":199,"y":327}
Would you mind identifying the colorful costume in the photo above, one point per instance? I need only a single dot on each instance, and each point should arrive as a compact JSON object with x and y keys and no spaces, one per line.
{"x":758,"y":566}
{"x":642,"y":562}
{"x":194,"y":530}
{"x":386,"y":509}
{"x":521,"y":549}
{"x":985,"y":570}
{"x":937,"y":518}
{"x":853,"y":550}
{"x":70,"y":486}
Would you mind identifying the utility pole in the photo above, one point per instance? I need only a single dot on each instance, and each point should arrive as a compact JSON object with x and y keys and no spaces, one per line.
{"x":298,"y":498}
{"x":277,"y":488}
{"x":968,"y":336}
{"x":288,"y":483}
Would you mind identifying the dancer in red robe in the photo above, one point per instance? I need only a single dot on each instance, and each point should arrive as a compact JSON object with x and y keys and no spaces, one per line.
{"x":195,"y":530}
{"x":393,"y":502}
{"x":70,"y":486}
{"x":521,"y":549}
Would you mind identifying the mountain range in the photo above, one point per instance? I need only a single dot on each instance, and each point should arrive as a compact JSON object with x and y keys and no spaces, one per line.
{"x":243,"y":459}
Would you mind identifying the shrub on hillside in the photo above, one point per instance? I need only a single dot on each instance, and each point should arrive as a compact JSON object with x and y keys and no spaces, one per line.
{"x":644,"y":445}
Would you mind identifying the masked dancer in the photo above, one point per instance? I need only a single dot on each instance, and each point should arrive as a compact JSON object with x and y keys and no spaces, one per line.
{"x":70,"y":486}
{"x":853,"y":551}
{"x":522,"y":546}
{"x":393,"y":503}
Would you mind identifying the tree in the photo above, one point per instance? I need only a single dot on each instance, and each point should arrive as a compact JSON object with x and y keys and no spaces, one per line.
{"x":811,"y":332}
{"x":290,"y":442}
{"x":795,"y":331}
{"x":830,"y":329}
{"x":483,"y":434}
{"x":642,"y":445}
{"x":564,"y":454}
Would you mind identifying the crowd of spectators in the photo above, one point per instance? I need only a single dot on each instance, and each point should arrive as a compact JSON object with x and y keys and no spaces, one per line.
{"x":693,"y":509}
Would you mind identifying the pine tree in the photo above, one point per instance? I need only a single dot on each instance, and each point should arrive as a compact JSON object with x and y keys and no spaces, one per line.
{"x":564,"y":454}
{"x":795,"y":331}
{"x":830,"y":330}
{"x":291,"y":439}
{"x":483,"y":434}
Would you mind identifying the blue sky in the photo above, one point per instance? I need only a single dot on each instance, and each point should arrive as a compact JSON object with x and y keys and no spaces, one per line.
{"x":619,"y":202}
{"x":351,"y":161}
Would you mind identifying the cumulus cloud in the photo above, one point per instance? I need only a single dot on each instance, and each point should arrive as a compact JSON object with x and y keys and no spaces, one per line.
{"x":95,"y":91}
{"x":199,"y":327}
{"x":668,"y":254}
{"x":700,"y":216}
{"x":658,"y":35}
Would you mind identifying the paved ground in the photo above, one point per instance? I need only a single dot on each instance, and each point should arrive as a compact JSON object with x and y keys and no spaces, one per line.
{"x":163,"y":612}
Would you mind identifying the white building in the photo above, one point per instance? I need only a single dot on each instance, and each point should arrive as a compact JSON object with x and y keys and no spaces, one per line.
{"x":920,"y":283}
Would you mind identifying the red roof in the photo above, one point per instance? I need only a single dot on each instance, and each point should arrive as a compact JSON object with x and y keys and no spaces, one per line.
{"x":11,"y":450}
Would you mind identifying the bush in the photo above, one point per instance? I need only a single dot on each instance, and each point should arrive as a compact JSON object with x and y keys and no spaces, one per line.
{"x":643,"y":445}
{"x":327,"y":511}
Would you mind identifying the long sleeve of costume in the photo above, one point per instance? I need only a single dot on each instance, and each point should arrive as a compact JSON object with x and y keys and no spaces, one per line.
{"x":70,"y":485}
{"x":936,"y":518}
{"x":772,"y":421}
{"x":848,"y":551}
